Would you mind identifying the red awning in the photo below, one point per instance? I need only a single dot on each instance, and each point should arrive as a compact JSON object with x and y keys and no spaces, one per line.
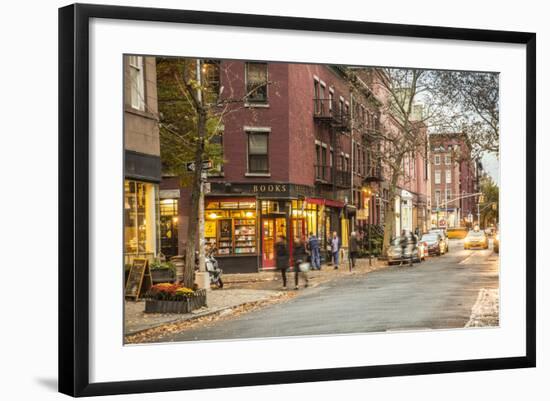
{"x":315,"y":201}
{"x":334,"y":203}
{"x":327,"y":202}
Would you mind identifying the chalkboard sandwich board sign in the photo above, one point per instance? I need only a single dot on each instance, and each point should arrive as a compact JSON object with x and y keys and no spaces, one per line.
{"x":139,"y":279}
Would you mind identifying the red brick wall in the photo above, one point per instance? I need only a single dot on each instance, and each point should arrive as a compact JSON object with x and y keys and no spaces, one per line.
{"x":275,"y":116}
{"x":303,"y":129}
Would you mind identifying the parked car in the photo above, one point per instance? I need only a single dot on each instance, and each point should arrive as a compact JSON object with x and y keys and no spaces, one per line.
{"x":476,"y":239}
{"x":396,"y":254}
{"x":496,"y":242}
{"x":435,"y":243}
{"x":443,"y":233}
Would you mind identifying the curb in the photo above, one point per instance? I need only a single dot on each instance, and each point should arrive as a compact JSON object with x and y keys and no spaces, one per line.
{"x":195,"y":317}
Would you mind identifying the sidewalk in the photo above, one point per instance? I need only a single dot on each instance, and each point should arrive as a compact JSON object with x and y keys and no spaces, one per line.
{"x":271,"y":280}
{"x":136,"y":320}
{"x":240,"y":291}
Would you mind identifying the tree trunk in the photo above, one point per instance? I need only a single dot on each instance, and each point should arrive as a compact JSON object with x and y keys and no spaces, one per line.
{"x":389,"y":216}
{"x":196,"y":187}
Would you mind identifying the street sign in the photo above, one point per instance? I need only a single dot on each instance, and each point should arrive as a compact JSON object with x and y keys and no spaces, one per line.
{"x":206,"y":165}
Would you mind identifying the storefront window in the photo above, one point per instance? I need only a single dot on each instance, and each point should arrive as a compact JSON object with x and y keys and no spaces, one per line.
{"x":307,"y":214}
{"x":169,"y":227}
{"x":230,"y":226}
{"x":140,"y":219}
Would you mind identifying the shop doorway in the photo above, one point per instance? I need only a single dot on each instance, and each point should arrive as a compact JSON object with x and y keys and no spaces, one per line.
{"x":271,"y":229}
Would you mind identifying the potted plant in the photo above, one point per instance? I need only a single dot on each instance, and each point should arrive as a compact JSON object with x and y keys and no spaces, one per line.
{"x":173,"y":298}
{"x":163,"y":272}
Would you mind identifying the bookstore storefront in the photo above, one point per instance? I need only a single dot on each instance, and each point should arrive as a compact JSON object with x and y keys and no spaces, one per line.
{"x":231,"y":227}
{"x":245,"y":228}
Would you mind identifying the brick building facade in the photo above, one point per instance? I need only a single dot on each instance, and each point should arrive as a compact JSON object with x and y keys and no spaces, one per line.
{"x":454,"y":177}
{"x":296,"y":160}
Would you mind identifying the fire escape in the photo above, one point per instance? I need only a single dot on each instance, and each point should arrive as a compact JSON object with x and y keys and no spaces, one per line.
{"x":334,"y":116}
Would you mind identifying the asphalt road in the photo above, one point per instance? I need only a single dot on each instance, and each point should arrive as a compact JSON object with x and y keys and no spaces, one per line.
{"x":436,"y":294}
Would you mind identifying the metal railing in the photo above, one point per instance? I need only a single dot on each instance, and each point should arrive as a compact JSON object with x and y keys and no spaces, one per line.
{"x":329,"y":111}
{"x":325,"y":174}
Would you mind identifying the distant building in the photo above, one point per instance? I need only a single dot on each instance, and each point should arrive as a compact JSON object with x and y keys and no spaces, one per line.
{"x":412,"y":200}
{"x":142,"y":172}
{"x":455,"y":179}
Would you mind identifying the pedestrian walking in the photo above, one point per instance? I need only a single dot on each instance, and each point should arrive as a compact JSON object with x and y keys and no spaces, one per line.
{"x":353,"y":249}
{"x":403,"y":243}
{"x":413,"y":247}
{"x":315,"y":251}
{"x":282,"y":257}
{"x":335,"y":249}
{"x":299,"y":255}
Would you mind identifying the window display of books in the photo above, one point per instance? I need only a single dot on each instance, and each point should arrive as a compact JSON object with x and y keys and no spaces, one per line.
{"x":245,"y":236}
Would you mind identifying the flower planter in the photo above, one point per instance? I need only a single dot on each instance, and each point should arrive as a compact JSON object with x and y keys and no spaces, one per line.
{"x":163,"y":276}
{"x":189,"y":304}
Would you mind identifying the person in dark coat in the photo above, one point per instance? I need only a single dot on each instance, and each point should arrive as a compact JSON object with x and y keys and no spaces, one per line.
{"x":282,"y":257}
{"x":299,"y":255}
{"x":353,"y":249}
{"x":315,"y":249}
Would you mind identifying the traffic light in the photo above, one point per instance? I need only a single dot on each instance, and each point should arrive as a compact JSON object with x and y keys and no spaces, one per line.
{"x":481,"y":198}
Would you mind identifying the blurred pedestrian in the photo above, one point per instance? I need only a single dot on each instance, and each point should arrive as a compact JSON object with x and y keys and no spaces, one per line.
{"x":335,"y":249}
{"x":282,"y":257}
{"x":315,"y":251}
{"x":299,"y":255}
{"x":353,"y":249}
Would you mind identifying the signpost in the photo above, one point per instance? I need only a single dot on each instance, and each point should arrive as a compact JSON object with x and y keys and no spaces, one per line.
{"x":206,"y":165}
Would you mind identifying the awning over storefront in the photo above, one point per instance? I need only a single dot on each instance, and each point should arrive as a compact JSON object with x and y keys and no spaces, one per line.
{"x":326,"y":202}
{"x":406,"y":195}
{"x":315,"y":201}
{"x":333,"y":203}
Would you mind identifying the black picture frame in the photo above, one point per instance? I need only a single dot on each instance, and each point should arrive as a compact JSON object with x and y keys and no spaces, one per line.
{"x":74,"y":198}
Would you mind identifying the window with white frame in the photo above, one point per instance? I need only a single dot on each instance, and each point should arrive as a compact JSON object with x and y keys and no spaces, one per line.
{"x":448,"y":160}
{"x":256,"y":82}
{"x":448,"y":177}
{"x":437,"y":176}
{"x":437,"y":197}
{"x":437,"y":160}
{"x":137,"y":82}
{"x":258,"y":146}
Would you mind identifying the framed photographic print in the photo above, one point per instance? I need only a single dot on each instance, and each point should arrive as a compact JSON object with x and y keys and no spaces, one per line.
{"x":295,"y":199}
